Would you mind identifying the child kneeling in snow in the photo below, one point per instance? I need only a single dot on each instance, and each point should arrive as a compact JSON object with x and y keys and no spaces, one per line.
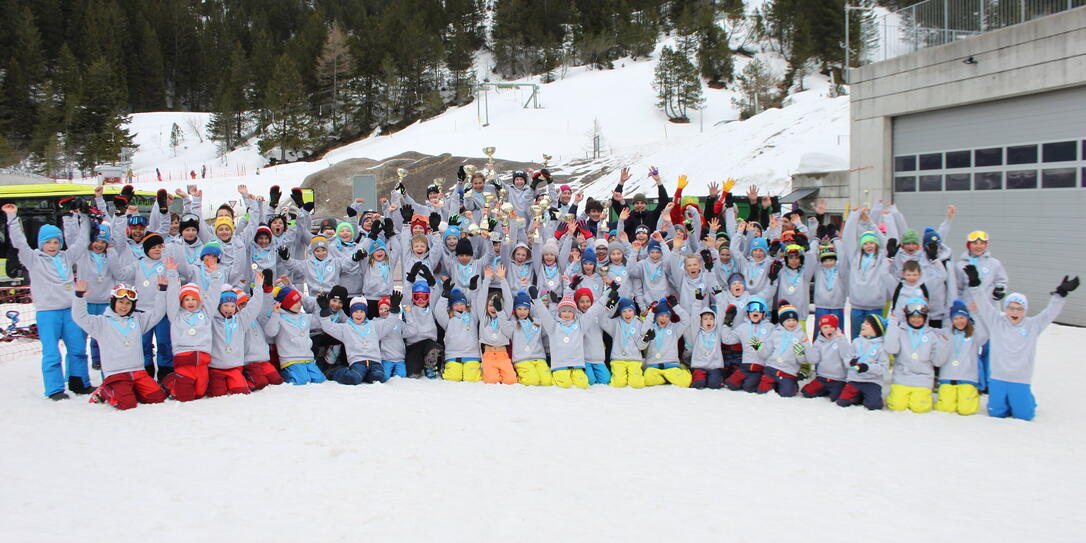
{"x":1014,"y":345}
{"x":834,"y":354}
{"x":362,"y":339}
{"x":259,"y":371}
{"x":119,"y":332}
{"x":190,"y":335}
{"x":662,"y":358}
{"x":783,"y":354}
{"x":706,"y":358}
{"x":566,"y":333}
{"x":918,"y":351}
{"x":463,"y":356}
{"x":751,"y":334}
{"x":289,"y":325}
{"x":228,"y":343}
{"x":869,"y":363}
{"x":958,"y":376}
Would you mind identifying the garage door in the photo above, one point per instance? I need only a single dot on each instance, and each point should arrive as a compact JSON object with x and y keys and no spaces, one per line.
{"x":1015,"y":168}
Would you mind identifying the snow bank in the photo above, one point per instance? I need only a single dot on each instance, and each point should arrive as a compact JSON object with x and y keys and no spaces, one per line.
{"x":428,"y":460}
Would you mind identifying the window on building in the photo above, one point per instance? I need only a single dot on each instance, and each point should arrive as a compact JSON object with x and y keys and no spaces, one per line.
{"x":988,"y":181}
{"x":959,"y":159}
{"x":931,"y":183}
{"x":905,"y":184}
{"x":988,"y":157}
{"x":1063,"y":151}
{"x":905,"y":163}
{"x":957,"y":181}
{"x":1022,"y":154}
{"x":1022,"y":179}
{"x":932,"y":161}
{"x":1058,"y":178}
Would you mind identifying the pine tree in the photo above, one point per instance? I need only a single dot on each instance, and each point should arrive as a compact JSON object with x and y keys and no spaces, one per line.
{"x":462,"y":39}
{"x":148,"y":75}
{"x":177,"y":138}
{"x":25,"y":73}
{"x":677,"y":85}
{"x":98,"y":132}
{"x":228,"y":121}
{"x":714,"y":55}
{"x":333,"y":65}
{"x":757,"y":87}
{"x":290,"y":126}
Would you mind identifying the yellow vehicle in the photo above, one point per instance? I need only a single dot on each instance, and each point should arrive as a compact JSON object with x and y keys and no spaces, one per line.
{"x":40,"y":204}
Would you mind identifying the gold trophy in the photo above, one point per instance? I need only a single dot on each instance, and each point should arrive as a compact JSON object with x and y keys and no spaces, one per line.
{"x":439,"y":182}
{"x":473,"y":229}
{"x":503,"y":195}
{"x":537,"y":212}
{"x":546,"y":159}
{"x":489,"y":152}
{"x":488,"y":199}
{"x":402,"y":173}
{"x":469,"y":170}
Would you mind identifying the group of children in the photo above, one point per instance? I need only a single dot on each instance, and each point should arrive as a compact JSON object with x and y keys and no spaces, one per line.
{"x":534,"y":291}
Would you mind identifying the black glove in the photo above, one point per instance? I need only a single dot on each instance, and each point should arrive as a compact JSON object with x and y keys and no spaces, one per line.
{"x":729,"y":315}
{"x":533,"y":292}
{"x":707,"y":257}
{"x":698,"y":294}
{"x":128,"y":191}
{"x":999,"y":292}
{"x":406,"y":212}
{"x":612,"y":299}
{"x":395,"y":300}
{"x":322,"y":302}
{"x":274,"y":196}
{"x":672,"y":300}
{"x":160,"y":199}
{"x":461,"y":174}
{"x":497,"y":303}
{"x":649,"y":336}
{"x":413,"y":274}
{"x":717,"y":289}
{"x":267,"y":282}
{"x":775,"y":247}
{"x":474,"y":283}
{"x":284,"y":253}
{"x":775,"y":269}
{"x":971,"y":275}
{"x":359,"y":255}
{"x":119,"y":204}
{"x":860,"y":366}
{"x":491,"y":222}
{"x":84,"y":206}
{"x":537,"y":178}
{"x":547,"y":175}
{"x":932,"y":250}
{"x":454,"y":219}
{"x":427,"y":275}
{"x":375,"y":230}
{"x":390,"y":229}
{"x":575,"y":282}
{"x":446,"y":288}
{"x":799,"y":238}
{"x":728,"y":200}
{"x":352,"y":212}
{"x":1066,"y":286}
{"x":308,"y":206}
{"x":891,"y":247}
{"x":435,"y":221}
{"x":296,"y":195}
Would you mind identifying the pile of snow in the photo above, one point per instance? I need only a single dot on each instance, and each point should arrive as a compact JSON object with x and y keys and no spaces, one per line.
{"x":429,"y":460}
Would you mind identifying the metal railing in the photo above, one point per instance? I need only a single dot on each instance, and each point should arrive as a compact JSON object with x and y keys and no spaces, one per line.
{"x":937,"y":22}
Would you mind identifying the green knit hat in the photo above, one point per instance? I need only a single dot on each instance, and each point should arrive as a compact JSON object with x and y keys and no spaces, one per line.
{"x":910,"y":236}
{"x":355,"y":232}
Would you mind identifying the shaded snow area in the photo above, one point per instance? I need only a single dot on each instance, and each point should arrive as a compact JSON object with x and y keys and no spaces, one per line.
{"x":434,"y":460}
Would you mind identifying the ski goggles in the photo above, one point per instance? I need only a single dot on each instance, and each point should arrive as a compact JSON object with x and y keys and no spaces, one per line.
{"x":420,"y":296}
{"x":137,"y":220}
{"x":124,"y":291}
{"x":756,"y":307}
{"x":977,"y":235}
{"x":916,"y":309}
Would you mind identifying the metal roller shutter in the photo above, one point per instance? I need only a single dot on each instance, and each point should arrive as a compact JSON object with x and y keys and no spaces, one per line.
{"x":1015,"y":168}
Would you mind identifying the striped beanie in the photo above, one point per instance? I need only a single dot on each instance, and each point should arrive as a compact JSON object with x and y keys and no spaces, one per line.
{"x":358,"y":303}
{"x":189,"y":289}
{"x":228,"y":296}
{"x":567,"y":305}
{"x":787,"y":311}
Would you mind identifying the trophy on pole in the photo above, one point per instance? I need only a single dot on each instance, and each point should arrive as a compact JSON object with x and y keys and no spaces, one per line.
{"x":401,"y":173}
{"x":489,"y":152}
{"x":537,"y":213}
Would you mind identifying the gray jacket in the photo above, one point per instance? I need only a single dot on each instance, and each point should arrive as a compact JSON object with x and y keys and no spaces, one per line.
{"x":1013,"y":349}
{"x":96,"y":269}
{"x":834,"y":356}
{"x":869,"y":351}
{"x":190,"y":330}
{"x":705,"y":347}
{"x":120,"y":338}
{"x":664,"y":348}
{"x":777,"y":352}
{"x":916,"y":353}
{"x":51,"y":276}
{"x":461,"y":330}
{"x":362,"y":341}
{"x":567,"y":339}
{"x":962,"y":354}
{"x":628,"y":337}
{"x":229,"y":336}
{"x":291,"y":336}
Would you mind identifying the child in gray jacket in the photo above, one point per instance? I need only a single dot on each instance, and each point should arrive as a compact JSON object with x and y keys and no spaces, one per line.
{"x":662,"y":358}
{"x":289,"y":325}
{"x":867,"y":367}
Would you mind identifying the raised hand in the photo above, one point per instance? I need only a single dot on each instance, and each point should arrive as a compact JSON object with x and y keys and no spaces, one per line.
{"x":1066,"y":286}
{"x":500,"y":271}
{"x":623,"y":176}
{"x":714,"y":189}
{"x":729,"y":315}
{"x":10,"y":209}
{"x":171,"y":264}
{"x":80,"y":286}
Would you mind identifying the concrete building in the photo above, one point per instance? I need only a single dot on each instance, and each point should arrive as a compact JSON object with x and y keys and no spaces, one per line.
{"x":996,"y":125}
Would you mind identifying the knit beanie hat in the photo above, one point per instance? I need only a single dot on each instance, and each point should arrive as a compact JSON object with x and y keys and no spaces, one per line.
{"x":930,"y":235}
{"x":642,"y":229}
{"x":567,"y":305}
{"x":584,"y":291}
{"x":759,"y":243}
{"x":549,"y":247}
{"x":457,"y":297}
{"x":661,"y":307}
{"x":453,"y":231}
{"x":358,"y":303}
{"x":101,"y":232}
{"x":830,"y":320}
{"x":228,"y":296}
{"x":48,"y":232}
{"x":287,"y":297}
{"x":826,"y":250}
{"x":262,"y":230}
{"x":522,"y":300}
{"x":212,"y":249}
{"x":242,"y":296}
{"x":420,"y":286}
{"x":347,"y":225}
{"x":419,"y":220}
{"x":379,"y":245}
{"x":958,"y":307}
{"x":787,"y":311}
{"x":737,"y":277}
{"x":624,"y":303}
{"x":150,"y":241}
{"x":327,"y":224}
{"x":654,"y":245}
{"x":223,"y":220}
{"x":868,"y":236}
{"x":340,"y":292}
{"x":639,"y":197}
{"x":189,"y":289}
{"x":588,"y":255}
{"x":189,"y":220}
{"x":1016,"y":298}
{"x":463,"y":247}
{"x":910,"y":236}
{"x":615,"y":246}
{"x":318,"y":242}
{"x":878,"y":324}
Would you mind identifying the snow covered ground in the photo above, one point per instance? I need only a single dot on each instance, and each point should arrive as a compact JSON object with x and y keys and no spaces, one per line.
{"x":433,"y":460}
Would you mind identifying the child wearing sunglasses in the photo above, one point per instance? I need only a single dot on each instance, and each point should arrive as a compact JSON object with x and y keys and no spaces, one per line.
{"x":918,"y":350}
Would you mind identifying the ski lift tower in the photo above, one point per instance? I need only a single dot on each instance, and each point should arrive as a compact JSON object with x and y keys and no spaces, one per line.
{"x":484,"y":104}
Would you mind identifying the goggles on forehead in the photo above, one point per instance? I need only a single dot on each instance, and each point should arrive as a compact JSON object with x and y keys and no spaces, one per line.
{"x":977,"y":235}
{"x":137,"y":220}
{"x":124,"y":291}
{"x":916,"y":309}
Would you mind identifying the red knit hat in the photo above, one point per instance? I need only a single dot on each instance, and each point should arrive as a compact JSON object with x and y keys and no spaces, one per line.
{"x":828,"y":319}
{"x":242,"y":296}
{"x":420,"y":221}
{"x":384,"y":301}
{"x":189,"y":289}
{"x":584,"y":291}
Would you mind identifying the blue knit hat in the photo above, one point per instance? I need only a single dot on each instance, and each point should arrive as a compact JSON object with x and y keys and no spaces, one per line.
{"x":358,"y":303}
{"x":212,"y":249}
{"x":378,"y":245}
{"x":737,"y":277}
{"x":48,"y":232}
{"x":589,"y":255}
{"x":759,"y":243}
{"x":654,"y":245}
{"x":931,"y":235}
{"x":522,"y":300}
{"x":452,"y":230}
{"x":457,"y":297}
{"x":624,"y":303}
{"x":228,"y":296}
{"x":420,"y":286}
{"x":101,"y":231}
{"x":958,"y":307}
{"x":661,"y":307}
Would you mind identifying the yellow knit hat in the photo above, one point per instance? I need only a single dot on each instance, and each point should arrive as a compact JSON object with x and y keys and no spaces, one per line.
{"x":224,"y":220}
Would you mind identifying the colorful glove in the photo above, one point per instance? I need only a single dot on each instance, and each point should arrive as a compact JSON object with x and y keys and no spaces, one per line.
{"x":682,"y":181}
{"x":797,"y":349}
{"x":755,"y":343}
{"x":775,"y":269}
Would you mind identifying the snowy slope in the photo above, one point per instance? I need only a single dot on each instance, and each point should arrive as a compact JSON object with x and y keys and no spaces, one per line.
{"x":434,"y":460}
